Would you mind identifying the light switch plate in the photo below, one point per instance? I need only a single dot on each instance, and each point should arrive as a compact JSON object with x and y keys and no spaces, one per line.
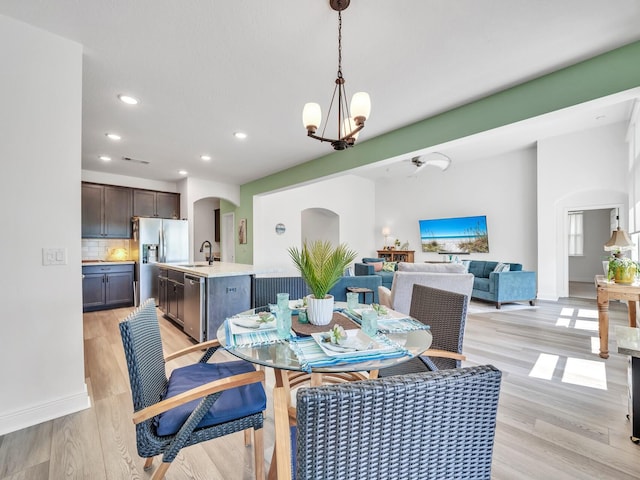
{"x":54,"y":256}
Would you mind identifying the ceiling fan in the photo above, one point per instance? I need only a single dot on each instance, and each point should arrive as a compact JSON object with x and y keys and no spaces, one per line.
{"x":434,"y":159}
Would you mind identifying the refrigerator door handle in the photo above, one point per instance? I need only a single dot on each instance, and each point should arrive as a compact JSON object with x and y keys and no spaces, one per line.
{"x":161,"y":245}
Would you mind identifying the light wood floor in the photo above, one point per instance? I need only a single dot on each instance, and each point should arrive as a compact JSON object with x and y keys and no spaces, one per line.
{"x":553,"y":426}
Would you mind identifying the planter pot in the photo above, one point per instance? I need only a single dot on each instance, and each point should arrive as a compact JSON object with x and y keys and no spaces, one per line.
{"x":625,"y":276}
{"x":320,"y":310}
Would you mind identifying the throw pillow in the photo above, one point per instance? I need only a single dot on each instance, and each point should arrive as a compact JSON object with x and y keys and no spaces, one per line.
{"x":501,"y":267}
{"x":377,"y":266}
{"x":466,"y":264}
{"x":389,"y":266}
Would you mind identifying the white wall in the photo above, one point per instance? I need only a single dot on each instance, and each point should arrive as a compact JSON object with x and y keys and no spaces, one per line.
{"x":351,"y":197}
{"x":596,"y":233}
{"x":41,"y":345}
{"x":194,"y":189}
{"x":204,"y":226}
{"x":583,"y":170}
{"x":502,"y":188}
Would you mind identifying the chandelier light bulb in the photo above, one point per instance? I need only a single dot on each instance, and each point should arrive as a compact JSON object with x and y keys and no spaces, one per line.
{"x":311,"y":116}
{"x":360,"y":107}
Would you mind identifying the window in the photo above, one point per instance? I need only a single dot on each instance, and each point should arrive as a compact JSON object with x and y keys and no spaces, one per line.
{"x":576,"y":234}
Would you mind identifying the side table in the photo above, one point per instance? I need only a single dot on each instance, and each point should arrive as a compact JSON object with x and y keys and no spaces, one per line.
{"x":362,"y":290}
{"x":613,"y":291}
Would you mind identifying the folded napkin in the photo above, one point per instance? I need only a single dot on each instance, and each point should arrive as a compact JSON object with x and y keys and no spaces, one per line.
{"x":390,"y":324}
{"x":310,"y":355}
{"x":406,"y":324}
{"x":251,"y":338}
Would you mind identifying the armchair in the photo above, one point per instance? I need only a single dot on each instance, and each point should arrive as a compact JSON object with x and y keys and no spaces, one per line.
{"x":428,"y":425}
{"x":198,"y":402}
{"x":446,"y":314}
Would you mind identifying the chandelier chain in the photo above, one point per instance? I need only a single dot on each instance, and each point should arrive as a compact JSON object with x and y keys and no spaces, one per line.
{"x":340,"y":44}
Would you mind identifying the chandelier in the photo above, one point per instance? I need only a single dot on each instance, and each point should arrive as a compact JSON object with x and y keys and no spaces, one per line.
{"x":350,"y":120}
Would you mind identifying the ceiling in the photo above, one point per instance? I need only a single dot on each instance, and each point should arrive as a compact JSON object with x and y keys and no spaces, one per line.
{"x":203,"y":70}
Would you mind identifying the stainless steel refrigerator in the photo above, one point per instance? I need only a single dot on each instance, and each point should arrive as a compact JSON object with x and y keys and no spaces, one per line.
{"x":156,"y":240}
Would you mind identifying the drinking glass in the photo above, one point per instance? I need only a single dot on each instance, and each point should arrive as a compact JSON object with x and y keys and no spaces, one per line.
{"x":369,"y":323}
{"x":352,"y":300}
{"x":283,"y":316}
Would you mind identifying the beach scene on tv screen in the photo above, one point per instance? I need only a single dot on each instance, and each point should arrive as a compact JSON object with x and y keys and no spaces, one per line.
{"x":455,"y":235}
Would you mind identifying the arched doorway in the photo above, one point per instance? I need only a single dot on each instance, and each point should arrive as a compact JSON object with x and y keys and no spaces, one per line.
{"x":319,"y":224}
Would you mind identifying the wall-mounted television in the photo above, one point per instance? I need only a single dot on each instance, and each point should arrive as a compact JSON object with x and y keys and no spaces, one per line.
{"x":455,"y":235}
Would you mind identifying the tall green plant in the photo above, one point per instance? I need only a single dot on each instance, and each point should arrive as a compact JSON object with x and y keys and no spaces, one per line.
{"x":321,"y":264}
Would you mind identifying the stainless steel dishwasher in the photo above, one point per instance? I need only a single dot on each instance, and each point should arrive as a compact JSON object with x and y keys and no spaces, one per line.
{"x":194,"y":294}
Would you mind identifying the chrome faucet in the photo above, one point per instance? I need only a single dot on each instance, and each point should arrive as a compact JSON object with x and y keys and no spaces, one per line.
{"x":210,"y":257}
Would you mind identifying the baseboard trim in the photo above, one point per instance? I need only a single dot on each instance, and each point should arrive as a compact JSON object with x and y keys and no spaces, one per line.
{"x":34,"y":415}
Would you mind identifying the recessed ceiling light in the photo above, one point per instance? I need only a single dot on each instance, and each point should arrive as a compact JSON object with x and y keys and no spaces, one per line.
{"x":113,"y":136}
{"x":240,"y":135}
{"x":128,"y":100}
{"x":182,"y":172}
{"x":105,"y":158}
{"x":205,"y":157}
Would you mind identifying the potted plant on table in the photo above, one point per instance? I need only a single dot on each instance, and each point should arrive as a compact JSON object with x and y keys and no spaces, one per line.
{"x":622,"y":270}
{"x":321,"y":265}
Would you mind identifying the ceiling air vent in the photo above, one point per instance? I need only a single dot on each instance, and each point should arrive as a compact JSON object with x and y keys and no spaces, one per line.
{"x":135,"y":160}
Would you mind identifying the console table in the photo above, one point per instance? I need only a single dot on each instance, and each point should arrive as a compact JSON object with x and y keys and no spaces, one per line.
{"x":397,"y":255}
{"x":613,"y":291}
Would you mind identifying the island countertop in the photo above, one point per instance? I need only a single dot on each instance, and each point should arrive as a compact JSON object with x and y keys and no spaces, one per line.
{"x":628,"y":339}
{"x":216,"y":269}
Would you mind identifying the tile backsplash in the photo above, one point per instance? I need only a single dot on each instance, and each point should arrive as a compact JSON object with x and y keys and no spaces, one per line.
{"x":105,"y":249}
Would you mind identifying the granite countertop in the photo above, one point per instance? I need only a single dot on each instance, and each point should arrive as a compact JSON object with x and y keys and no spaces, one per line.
{"x":628,"y":339}
{"x":216,"y":269}
{"x":86,"y":263}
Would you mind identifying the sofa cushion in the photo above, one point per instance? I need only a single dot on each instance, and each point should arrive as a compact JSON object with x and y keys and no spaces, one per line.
{"x":431,"y":267}
{"x":389,"y":266}
{"x":480,"y":283}
{"x":502,"y":267}
{"x":377,"y":266}
{"x":372,"y":260}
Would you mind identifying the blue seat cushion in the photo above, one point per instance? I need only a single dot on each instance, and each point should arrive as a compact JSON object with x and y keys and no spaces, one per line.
{"x":481,"y":284}
{"x":232,"y":404}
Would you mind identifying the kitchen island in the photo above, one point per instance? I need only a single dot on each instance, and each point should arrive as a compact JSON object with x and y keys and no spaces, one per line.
{"x":199,"y":296}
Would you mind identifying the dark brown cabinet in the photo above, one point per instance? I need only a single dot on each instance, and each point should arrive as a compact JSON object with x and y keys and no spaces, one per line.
{"x":107,"y":286}
{"x":174,"y":305}
{"x":106,"y":211}
{"x":163,"y":280}
{"x":148,"y":203}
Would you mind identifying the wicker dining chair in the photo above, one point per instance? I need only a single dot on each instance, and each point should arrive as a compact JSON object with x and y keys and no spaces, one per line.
{"x":198,"y":402}
{"x":425,"y":426}
{"x":445,"y":312}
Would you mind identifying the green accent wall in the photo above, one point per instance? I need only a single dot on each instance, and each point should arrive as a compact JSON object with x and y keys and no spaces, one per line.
{"x":606,"y":74}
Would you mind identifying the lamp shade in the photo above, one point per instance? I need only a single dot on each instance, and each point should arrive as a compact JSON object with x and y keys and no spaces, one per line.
{"x":386,"y":231}
{"x":619,"y":241}
{"x":311,"y":115}
{"x":360,"y":105}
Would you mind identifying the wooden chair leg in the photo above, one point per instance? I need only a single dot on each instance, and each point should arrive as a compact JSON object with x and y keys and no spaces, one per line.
{"x":148,"y":463}
{"x":160,"y":471}
{"x":258,"y":453}
{"x":247,"y":437}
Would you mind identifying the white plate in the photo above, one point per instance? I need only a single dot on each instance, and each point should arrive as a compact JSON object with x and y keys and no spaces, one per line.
{"x":356,"y":339}
{"x":249,"y":324}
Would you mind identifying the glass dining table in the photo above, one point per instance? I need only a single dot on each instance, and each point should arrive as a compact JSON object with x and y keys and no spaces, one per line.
{"x":410,"y":339}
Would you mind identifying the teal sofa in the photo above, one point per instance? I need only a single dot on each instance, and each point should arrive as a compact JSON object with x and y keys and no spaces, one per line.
{"x":366,"y":268}
{"x":515,"y":285}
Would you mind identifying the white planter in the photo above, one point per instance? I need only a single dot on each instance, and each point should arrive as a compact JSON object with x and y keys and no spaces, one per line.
{"x":320,"y":310}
